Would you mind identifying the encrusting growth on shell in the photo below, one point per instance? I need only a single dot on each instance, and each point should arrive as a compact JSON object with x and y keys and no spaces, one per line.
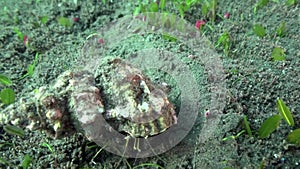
{"x":139,"y":108}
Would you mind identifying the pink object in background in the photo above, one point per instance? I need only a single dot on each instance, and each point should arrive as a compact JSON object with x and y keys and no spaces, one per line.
{"x":207,"y":113}
{"x":75,"y":19}
{"x":25,"y":40}
{"x":100,"y":40}
{"x":199,"y":24}
{"x":226,"y":15}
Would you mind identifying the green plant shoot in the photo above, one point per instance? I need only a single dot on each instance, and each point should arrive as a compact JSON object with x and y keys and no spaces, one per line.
{"x":5,"y":80}
{"x":162,"y":5}
{"x":26,"y":161}
{"x":14,"y":130}
{"x":290,"y":2}
{"x":260,"y":4}
{"x":7,"y":96}
{"x":259,"y":30}
{"x":31,"y":67}
{"x":209,"y":8}
{"x":224,"y":40}
{"x":19,"y":33}
{"x":285,"y":112}
{"x":63,"y":21}
{"x":169,"y":37}
{"x":278,"y":54}
{"x":153,"y":7}
{"x":280,"y":31}
{"x":234,"y":136}
{"x":294,"y":137}
{"x":247,"y":126}
{"x":146,"y":165}
{"x":44,"y":19}
{"x":48,"y":146}
{"x":269,"y":125}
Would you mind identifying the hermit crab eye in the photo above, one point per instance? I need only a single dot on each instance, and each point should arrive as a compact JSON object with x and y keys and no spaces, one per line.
{"x":135,"y":79}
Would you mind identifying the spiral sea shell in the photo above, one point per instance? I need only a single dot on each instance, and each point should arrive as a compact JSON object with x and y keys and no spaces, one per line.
{"x":118,"y":92}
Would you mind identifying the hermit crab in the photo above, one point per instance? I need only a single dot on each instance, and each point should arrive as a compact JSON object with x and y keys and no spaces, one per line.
{"x":118,"y":92}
